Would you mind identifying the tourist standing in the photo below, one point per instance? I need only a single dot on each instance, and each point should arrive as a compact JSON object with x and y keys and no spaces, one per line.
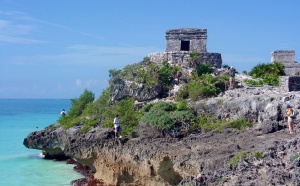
{"x":117,"y":126}
{"x":290,"y":114}
{"x":232,"y":77}
{"x":63,"y":112}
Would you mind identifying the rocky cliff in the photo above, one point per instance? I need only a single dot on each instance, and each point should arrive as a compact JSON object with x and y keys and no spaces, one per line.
{"x":197,"y":159}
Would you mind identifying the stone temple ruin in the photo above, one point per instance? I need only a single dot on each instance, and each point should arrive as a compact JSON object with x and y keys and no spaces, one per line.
{"x":180,"y":42}
{"x":290,"y":82}
{"x":287,"y":58}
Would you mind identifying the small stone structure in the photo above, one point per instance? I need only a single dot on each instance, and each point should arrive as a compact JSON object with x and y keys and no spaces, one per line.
{"x":289,"y":83}
{"x":186,"y":40}
{"x":180,"y":42}
{"x":287,"y":58}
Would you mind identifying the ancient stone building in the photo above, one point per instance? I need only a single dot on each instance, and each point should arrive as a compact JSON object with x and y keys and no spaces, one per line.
{"x":180,"y":42}
{"x":186,"y":40}
{"x":287,"y":58}
{"x":289,"y":83}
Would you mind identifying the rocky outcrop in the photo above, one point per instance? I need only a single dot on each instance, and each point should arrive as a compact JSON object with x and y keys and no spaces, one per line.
{"x":153,"y":159}
{"x":163,"y":161}
{"x":279,"y":166}
{"x":122,"y":88}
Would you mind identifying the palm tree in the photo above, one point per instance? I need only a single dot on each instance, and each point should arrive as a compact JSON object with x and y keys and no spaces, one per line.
{"x":193,"y":58}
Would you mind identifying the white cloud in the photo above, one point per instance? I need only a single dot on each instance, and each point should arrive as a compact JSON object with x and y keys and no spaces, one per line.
{"x":10,"y":39}
{"x":90,"y":55}
{"x":90,"y":83}
{"x":78,"y":83}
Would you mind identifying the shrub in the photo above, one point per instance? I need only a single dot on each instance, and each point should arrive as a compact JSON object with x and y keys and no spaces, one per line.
{"x":165,"y":76}
{"x":128,"y":117}
{"x":199,"y":87}
{"x":77,"y":107}
{"x":293,"y":158}
{"x":206,"y":123}
{"x":166,"y":116}
{"x":269,"y":73}
{"x":253,"y":83}
{"x":193,"y":58}
{"x":258,"y":155}
{"x":204,"y":69}
{"x":234,"y":160}
{"x":243,"y":155}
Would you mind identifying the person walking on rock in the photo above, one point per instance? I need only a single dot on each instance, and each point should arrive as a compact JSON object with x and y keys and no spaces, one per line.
{"x":232,"y":77}
{"x":117,"y":126}
{"x":290,"y":114}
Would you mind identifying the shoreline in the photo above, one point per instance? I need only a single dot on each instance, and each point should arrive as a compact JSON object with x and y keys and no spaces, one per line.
{"x":88,"y":179}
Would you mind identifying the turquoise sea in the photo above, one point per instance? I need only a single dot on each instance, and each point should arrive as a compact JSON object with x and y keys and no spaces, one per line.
{"x":20,"y":166}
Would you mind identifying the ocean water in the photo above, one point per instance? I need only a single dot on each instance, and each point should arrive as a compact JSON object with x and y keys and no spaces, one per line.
{"x":20,"y":166}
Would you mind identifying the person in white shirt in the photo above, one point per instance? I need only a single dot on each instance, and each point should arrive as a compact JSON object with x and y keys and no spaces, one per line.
{"x":63,"y":112}
{"x":117,"y":126}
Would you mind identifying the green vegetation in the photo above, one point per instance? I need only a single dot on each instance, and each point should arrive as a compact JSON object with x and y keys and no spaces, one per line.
{"x":258,"y":155}
{"x":149,"y":74}
{"x":199,"y":87}
{"x":202,"y":85}
{"x":243,"y":155}
{"x":267,"y":73}
{"x":221,"y":180}
{"x":203,"y":69}
{"x":77,"y":107}
{"x":293,"y":158}
{"x":128,"y":115}
{"x":234,"y":160}
{"x":207,"y":123}
{"x":100,"y":112}
{"x":253,"y":83}
{"x":193,"y":58}
{"x":163,"y":115}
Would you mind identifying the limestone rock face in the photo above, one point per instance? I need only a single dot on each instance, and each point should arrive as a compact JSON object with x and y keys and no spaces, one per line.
{"x":195,"y":160}
{"x":123,"y":88}
{"x":257,"y":105}
{"x":201,"y":158}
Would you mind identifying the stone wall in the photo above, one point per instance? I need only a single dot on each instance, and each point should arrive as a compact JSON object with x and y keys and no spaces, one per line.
{"x":180,"y":42}
{"x":287,"y":58}
{"x":284,"y":56}
{"x":195,"y":38}
{"x":181,"y":58}
{"x":289,"y":83}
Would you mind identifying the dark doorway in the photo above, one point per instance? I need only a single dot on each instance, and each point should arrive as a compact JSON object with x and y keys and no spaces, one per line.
{"x":185,"y":46}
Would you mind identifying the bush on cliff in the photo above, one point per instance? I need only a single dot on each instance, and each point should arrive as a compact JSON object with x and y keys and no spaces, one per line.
{"x":203,"y":69}
{"x":268,"y":73}
{"x":167,"y":116}
{"x":101,"y":112}
{"x":149,"y":74}
{"x":128,"y":116}
{"x":77,"y":107}
{"x":206,"y":123}
{"x":200,"y":87}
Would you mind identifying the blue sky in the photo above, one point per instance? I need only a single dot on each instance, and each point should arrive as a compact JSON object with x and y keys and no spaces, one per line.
{"x":56,"y":49}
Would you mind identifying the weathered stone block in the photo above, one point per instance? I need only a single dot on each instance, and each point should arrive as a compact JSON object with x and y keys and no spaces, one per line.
{"x":289,"y":83}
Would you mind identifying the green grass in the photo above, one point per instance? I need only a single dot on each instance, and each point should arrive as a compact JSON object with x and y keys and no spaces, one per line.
{"x":243,"y":155}
{"x":206,"y":123}
{"x":293,"y":158}
{"x":234,"y":160}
